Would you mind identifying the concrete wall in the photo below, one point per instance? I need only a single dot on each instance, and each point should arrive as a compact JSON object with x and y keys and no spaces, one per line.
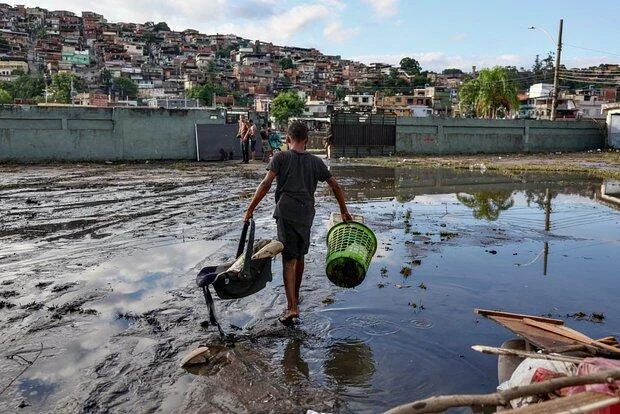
{"x":467,"y":136}
{"x":45,"y":133}
{"x":613,"y":124}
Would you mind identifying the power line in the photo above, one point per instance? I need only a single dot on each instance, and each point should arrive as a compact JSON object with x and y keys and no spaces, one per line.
{"x":590,"y":81}
{"x":592,"y":50}
{"x":601,"y":75}
{"x":595,"y":78}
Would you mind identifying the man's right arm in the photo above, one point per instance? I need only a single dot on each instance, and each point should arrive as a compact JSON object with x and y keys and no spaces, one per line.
{"x":339,"y":194}
{"x":261,"y":192}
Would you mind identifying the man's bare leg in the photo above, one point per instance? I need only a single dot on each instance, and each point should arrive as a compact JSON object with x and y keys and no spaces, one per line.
{"x":289,"y":268}
{"x":299,"y":272}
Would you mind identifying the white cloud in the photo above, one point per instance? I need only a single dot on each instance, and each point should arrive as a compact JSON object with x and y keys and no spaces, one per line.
{"x":438,"y":61}
{"x":383,"y":8}
{"x":335,"y":32}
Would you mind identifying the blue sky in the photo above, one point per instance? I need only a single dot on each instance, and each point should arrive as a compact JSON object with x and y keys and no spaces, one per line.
{"x":439,"y":34}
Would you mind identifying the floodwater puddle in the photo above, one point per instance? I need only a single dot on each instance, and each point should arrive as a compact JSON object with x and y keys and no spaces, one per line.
{"x":529,"y":243}
{"x":113,"y":319}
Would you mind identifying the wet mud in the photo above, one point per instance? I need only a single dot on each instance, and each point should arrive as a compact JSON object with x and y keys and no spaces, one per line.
{"x":98,"y":302}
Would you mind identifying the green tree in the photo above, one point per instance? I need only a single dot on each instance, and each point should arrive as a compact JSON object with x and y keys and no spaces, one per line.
{"x":491,"y":90}
{"x":286,"y":63}
{"x":125,"y":87}
{"x":65,"y":85}
{"x":5,"y":97}
{"x":487,"y":205}
{"x":161,"y":27}
{"x":340,"y":92}
{"x":205,"y":93}
{"x":26,"y":86}
{"x":411,"y":66}
{"x":287,"y":105}
{"x":452,"y":72}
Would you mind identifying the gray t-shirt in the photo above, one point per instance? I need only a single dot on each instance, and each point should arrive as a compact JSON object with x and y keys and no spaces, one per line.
{"x":297,"y":175}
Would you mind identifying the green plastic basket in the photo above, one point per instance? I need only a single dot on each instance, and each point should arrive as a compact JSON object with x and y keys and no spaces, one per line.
{"x":350,"y":247}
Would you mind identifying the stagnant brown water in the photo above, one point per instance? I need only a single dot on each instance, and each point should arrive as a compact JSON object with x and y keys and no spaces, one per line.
{"x":97,"y":272}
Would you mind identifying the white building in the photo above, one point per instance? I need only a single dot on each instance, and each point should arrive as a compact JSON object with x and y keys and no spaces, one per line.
{"x":361,"y":101}
{"x":540,"y":90}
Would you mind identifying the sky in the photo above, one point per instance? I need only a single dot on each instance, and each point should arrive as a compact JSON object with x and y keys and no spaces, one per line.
{"x":438,"y":34}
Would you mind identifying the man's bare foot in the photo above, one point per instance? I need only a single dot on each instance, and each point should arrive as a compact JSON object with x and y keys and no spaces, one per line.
{"x":289,"y":318}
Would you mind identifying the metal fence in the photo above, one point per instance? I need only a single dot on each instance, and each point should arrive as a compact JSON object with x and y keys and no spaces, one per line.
{"x":372,"y":130}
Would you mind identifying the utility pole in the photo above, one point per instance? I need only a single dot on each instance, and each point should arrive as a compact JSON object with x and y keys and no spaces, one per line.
{"x":556,"y":73}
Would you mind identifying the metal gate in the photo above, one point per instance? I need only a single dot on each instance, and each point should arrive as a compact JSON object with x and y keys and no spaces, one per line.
{"x":614,"y":131}
{"x":360,"y":134}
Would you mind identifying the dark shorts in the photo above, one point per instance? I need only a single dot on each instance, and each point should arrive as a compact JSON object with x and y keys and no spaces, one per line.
{"x":253,"y":145}
{"x":295,"y":238}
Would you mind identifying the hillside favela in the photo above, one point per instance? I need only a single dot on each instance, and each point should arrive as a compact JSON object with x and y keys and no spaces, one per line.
{"x":323,"y":207}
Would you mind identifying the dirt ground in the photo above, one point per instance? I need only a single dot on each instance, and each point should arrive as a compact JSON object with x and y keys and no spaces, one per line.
{"x":62,"y":222}
{"x":600,"y":163}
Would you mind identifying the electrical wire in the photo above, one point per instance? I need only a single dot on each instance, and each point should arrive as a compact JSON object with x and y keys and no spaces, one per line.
{"x":592,"y":50}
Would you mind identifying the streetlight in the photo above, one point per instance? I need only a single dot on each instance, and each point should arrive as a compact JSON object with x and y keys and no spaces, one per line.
{"x":556,"y":72}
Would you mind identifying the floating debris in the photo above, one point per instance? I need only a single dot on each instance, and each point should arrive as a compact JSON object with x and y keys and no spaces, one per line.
{"x":405,"y":271}
{"x":422,"y":286}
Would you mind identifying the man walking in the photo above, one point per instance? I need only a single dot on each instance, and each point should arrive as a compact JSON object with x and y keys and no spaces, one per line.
{"x":297,"y":173}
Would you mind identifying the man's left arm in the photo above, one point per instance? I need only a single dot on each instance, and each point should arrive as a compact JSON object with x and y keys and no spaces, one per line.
{"x":261,"y":192}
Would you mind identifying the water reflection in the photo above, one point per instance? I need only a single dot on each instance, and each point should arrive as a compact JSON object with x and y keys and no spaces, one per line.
{"x":404,"y":184}
{"x":487,"y":205}
{"x":349,"y":364}
{"x":295,"y":368}
{"x":610,"y":192}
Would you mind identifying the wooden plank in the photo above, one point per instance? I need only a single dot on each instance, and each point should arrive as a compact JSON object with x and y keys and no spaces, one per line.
{"x":538,"y":337}
{"x":583,"y":402}
{"x":487,"y":313}
{"x":560,"y":330}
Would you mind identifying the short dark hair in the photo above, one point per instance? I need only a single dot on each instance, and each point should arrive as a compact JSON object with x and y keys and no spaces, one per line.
{"x":298,"y":131}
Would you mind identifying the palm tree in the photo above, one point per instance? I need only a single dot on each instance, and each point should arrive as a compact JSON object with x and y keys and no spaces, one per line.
{"x":491,"y":90}
{"x":487,"y":205}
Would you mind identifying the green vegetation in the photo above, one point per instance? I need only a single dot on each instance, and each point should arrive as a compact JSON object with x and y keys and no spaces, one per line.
{"x":410,"y":66}
{"x":287,"y":105}
{"x":205,"y":93}
{"x":491,"y":91}
{"x":161,"y":27}
{"x":25,"y":86}
{"x":5,"y":97}
{"x":62,"y":84}
{"x":452,"y":72}
{"x":286,"y":63}
{"x":125,"y":87}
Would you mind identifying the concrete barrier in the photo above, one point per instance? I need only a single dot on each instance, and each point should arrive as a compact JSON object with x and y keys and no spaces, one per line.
{"x":470,"y":136}
{"x":52,"y":133}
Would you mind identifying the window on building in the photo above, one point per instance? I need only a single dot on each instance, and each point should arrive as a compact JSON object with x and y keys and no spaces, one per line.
{"x":365,"y":100}
{"x":356,"y":99}
{"x":397,"y":100}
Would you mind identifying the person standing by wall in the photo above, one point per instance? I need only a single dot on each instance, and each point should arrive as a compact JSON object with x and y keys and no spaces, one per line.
{"x":264,"y":137}
{"x":297,"y":173}
{"x":252,"y":139}
{"x":242,"y":134}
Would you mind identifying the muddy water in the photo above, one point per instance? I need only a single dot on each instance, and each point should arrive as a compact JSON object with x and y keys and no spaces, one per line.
{"x":99,"y":305}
